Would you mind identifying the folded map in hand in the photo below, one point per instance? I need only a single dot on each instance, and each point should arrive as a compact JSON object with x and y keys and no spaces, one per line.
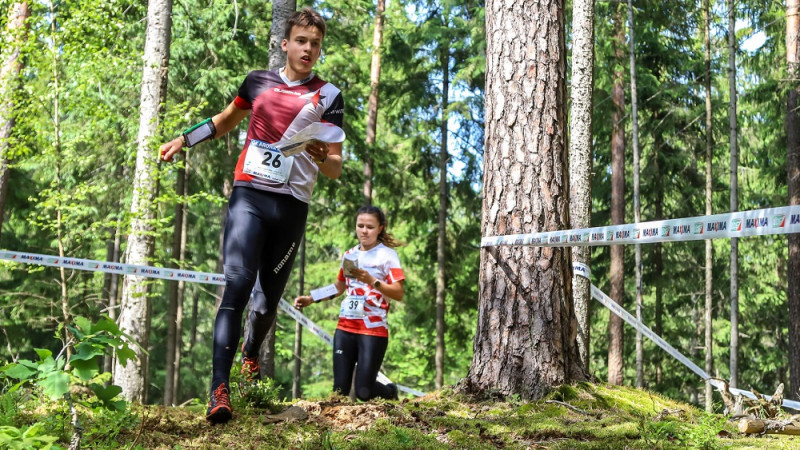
{"x":349,"y":263}
{"x":317,"y":131}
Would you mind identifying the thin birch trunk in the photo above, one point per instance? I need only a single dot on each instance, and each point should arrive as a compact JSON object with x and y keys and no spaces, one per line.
{"x":372,"y":102}
{"x":580,"y":159}
{"x":135,"y":312}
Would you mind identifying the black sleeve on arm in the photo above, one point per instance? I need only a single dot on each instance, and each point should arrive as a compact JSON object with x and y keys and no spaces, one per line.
{"x":335,"y":112}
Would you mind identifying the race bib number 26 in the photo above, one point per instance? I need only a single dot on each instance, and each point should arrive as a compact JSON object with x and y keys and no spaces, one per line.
{"x":266,"y":161}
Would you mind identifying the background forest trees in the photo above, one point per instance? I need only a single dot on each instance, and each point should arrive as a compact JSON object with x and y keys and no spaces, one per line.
{"x":94,"y":49}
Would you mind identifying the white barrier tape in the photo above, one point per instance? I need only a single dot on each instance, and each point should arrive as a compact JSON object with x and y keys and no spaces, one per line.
{"x":581,"y":269}
{"x":758,"y":222}
{"x":168,"y":274}
{"x":325,"y":336}
{"x":111,"y":267}
{"x":598,"y":295}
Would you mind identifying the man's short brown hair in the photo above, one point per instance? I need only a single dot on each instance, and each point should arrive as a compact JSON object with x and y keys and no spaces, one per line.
{"x":306,"y":17}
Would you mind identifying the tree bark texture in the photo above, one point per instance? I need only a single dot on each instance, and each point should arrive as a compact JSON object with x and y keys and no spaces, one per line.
{"x":372,"y":102}
{"x":134,"y":316}
{"x":16,"y":33}
{"x":580,"y":159}
{"x":793,"y":168}
{"x":734,"y":267}
{"x":281,"y":10}
{"x":526,"y":337}
{"x":617,"y":275}
{"x":441,"y":241}
{"x":709,"y":260}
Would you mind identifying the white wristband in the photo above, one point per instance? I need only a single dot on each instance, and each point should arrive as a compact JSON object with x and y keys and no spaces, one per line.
{"x":324,"y":293}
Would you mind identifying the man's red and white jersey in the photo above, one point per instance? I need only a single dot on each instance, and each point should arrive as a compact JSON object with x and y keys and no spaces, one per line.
{"x":364,"y":309}
{"x":281,"y":108}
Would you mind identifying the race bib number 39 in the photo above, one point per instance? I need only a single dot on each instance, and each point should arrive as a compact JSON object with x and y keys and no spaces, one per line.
{"x":353,"y":307}
{"x":266,"y":161}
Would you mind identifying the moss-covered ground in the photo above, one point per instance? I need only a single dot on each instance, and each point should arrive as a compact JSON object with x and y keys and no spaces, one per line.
{"x":610,"y":417}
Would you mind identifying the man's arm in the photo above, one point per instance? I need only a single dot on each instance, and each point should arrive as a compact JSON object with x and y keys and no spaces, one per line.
{"x":328,"y":157}
{"x":223,"y":122}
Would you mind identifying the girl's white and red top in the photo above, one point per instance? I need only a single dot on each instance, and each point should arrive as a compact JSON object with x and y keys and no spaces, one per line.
{"x":364,"y":309}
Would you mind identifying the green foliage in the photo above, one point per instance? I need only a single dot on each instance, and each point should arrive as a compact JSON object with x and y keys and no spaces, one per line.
{"x":260,"y":394}
{"x":28,"y":438}
{"x":704,"y":435}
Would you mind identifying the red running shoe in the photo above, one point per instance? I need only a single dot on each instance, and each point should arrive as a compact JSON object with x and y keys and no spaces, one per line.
{"x":250,"y":369}
{"x":219,"y":407}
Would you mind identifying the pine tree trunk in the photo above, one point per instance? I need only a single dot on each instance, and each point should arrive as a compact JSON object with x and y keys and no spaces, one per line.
{"x":734,"y":275}
{"x":709,"y":248}
{"x":135,"y":312}
{"x":658,"y":259}
{"x":580,"y":159}
{"x":297,"y":387}
{"x":793,"y":169}
{"x":172,"y":308}
{"x":617,"y":274}
{"x":637,"y":215}
{"x":281,"y":10}
{"x":15,"y":36}
{"x":526,"y":337}
{"x":441,"y":241}
{"x":372,"y":102}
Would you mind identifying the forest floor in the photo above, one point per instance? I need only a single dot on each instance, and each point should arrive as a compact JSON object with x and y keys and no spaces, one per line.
{"x":601,"y":417}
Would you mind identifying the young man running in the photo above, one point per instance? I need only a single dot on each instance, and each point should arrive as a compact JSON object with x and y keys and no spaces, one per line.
{"x":268,"y":208}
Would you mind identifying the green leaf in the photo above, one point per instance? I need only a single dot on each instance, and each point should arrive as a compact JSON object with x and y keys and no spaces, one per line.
{"x":55,"y":385}
{"x":84,"y":324}
{"x":84,"y":369}
{"x":43,"y":353}
{"x":19,"y":371}
{"x":124,"y":354}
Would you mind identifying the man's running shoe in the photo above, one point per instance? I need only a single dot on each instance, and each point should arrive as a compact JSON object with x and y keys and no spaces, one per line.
{"x":219,"y":407}
{"x":250,"y":369}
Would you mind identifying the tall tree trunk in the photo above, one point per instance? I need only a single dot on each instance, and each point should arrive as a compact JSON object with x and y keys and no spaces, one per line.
{"x":580,"y":159}
{"x":113,"y":291}
{"x":172,"y":308}
{"x":793,"y":169}
{"x":56,"y":80}
{"x":637,"y":215}
{"x":709,"y":331}
{"x":135,"y":312}
{"x":281,"y":10}
{"x":441,"y":241}
{"x":526,"y":338}
{"x":734,"y":363}
{"x":372,"y":103}
{"x":297,"y":387}
{"x":658,"y":260}
{"x":16,"y":32}
{"x":617,"y":275}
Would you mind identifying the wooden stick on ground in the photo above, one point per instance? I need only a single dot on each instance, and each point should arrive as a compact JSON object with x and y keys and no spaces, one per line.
{"x":752,"y":426}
